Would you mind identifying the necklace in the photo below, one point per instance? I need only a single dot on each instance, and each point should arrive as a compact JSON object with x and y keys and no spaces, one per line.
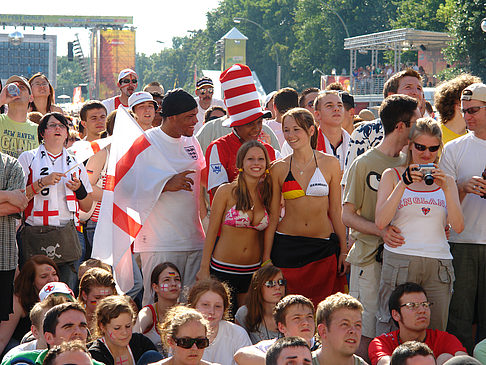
{"x":53,"y":158}
{"x":307,"y":164}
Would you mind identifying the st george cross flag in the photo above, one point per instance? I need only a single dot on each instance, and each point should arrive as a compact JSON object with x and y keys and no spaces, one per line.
{"x":82,"y":150}
{"x":136,"y":175}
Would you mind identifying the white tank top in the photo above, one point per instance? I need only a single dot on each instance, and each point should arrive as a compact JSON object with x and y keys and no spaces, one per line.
{"x":422,"y":217}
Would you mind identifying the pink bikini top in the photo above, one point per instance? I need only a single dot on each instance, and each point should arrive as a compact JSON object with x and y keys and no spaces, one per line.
{"x":240,"y":219}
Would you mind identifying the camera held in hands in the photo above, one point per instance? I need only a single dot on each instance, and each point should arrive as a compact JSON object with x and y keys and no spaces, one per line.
{"x":426,"y":170}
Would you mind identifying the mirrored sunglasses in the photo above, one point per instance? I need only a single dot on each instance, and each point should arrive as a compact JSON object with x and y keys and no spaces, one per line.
{"x":272,"y":283}
{"x":127,"y":81}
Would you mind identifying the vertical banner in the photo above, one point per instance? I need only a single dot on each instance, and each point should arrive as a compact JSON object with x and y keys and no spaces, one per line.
{"x":77,"y":95}
{"x":117,"y":51}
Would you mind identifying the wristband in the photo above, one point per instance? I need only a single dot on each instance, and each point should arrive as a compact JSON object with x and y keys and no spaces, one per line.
{"x":39,"y":182}
{"x":32,"y":186}
{"x":81,"y":193}
{"x":407,"y":178}
{"x":267,"y":262}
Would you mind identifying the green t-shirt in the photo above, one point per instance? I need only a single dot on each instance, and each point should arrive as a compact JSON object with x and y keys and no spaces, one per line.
{"x":16,"y":137}
{"x":361,"y":190}
{"x":34,"y":357}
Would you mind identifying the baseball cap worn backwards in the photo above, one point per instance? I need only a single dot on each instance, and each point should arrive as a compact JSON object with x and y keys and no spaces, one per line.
{"x":474,"y":92}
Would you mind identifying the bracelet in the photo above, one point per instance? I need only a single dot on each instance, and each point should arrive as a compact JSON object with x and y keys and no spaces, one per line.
{"x":32,"y":186}
{"x":344,"y":254}
{"x":39,"y":182}
{"x":267,"y":262}
{"x":81,"y":193}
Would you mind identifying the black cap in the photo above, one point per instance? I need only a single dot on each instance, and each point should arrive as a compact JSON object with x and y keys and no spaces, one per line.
{"x":176,"y":102}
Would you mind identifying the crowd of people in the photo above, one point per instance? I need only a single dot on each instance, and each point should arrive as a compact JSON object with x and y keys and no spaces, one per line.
{"x":288,"y":230}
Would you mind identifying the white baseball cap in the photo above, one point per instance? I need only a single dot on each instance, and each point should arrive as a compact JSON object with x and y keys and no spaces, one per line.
{"x":140,"y":97}
{"x":56,"y":287}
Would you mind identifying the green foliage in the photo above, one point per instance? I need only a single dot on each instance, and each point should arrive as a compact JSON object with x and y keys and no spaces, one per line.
{"x":69,"y":76}
{"x":468,"y":49}
{"x":420,"y":14}
{"x":308,"y":35}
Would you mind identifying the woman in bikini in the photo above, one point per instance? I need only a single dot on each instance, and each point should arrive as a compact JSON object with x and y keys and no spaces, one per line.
{"x":239,"y":215}
{"x":309,"y":243}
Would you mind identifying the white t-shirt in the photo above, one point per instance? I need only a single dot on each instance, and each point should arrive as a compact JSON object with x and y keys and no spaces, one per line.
{"x":463,"y":158}
{"x":277,"y":129}
{"x":174,"y":223}
{"x":230,"y":338}
{"x":201,"y":112}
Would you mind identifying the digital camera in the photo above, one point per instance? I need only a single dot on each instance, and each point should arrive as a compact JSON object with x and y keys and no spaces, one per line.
{"x":426,"y":170}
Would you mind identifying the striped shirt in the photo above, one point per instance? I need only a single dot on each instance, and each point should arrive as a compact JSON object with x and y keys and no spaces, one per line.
{"x":11,"y":178}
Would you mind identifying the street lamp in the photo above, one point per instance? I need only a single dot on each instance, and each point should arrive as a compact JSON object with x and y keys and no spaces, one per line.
{"x":238,"y":20}
{"x":339,"y":17}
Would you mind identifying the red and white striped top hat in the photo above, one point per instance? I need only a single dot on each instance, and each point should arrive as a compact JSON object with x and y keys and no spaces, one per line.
{"x":240,"y":96}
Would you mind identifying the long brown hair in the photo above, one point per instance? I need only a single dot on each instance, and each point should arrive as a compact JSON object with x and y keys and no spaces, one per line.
{"x":304,"y":120}
{"x":95,"y":277}
{"x":24,"y":283}
{"x":254,"y":301}
{"x":49,"y":98}
{"x":241,"y":193}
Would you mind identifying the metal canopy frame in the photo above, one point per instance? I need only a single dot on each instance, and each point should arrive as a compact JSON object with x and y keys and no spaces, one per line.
{"x":396,"y":40}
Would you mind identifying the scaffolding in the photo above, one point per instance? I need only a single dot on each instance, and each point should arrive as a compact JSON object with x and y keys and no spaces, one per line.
{"x":397,"y":40}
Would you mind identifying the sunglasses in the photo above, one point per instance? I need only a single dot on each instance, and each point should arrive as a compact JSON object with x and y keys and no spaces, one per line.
{"x":422,"y":148}
{"x":414,"y":306}
{"x":310,"y":103}
{"x":187,"y":342}
{"x":272,"y":283}
{"x":472,"y":110}
{"x":208,"y":90}
{"x":127,"y":81}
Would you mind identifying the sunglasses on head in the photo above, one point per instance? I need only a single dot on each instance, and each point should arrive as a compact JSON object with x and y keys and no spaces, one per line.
{"x":127,"y":81}
{"x":208,"y":90}
{"x":422,"y":148}
{"x":272,"y":283}
{"x":187,"y":342}
{"x":472,"y":110}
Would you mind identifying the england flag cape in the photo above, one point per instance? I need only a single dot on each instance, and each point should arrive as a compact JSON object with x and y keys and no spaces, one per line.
{"x":137,"y":173}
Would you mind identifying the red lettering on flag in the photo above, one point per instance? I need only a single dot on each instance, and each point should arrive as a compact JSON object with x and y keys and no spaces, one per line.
{"x":126,"y":162}
{"x":125,"y":222}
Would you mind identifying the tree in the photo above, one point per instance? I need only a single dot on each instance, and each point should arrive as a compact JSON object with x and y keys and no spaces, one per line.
{"x":69,"y":76}
{"x":320,"y":34}
{"x":468,"y":48}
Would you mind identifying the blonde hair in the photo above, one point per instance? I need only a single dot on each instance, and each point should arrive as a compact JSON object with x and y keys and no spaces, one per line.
{"x":430,"y":127}
{"x":177,"y":317}
{"x":334,"y":302}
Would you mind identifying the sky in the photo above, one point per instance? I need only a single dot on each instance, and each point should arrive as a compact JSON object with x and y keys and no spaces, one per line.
{"x":154,"y":20}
